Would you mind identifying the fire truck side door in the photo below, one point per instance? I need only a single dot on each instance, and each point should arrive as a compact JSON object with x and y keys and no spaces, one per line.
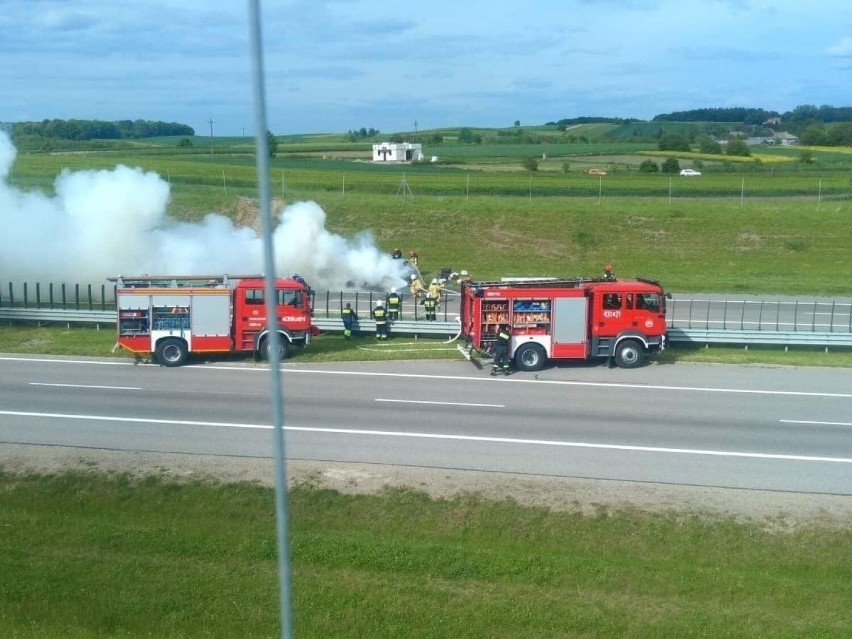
{"x":611,"y":315}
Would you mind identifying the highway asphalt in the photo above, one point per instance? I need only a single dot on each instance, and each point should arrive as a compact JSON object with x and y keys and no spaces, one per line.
{"x":767,"y":428}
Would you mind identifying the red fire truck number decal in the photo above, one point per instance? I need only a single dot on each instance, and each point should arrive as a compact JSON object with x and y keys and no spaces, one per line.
{"x":612,"y":313}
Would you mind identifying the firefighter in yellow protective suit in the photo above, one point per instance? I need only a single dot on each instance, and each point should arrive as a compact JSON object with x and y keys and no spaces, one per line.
{"x":435,"y":289}
{"x":417,"y":288}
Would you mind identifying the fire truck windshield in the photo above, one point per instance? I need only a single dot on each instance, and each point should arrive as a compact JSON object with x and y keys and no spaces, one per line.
{"x":650,"y":302}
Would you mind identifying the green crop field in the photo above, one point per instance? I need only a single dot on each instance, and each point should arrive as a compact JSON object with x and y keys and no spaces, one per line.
{"x":774,"y":230}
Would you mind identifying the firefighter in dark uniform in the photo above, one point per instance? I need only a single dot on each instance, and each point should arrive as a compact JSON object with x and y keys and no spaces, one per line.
{"x":380,"y":315}
{"x":394,"y":302}
{"x":348,"y":316}
{"x":430,"y":304}
{"x":608,"y":276}
{"x":501,"y":351}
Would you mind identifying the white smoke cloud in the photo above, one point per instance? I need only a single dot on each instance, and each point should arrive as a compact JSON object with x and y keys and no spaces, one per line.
{"x":107,"y":223}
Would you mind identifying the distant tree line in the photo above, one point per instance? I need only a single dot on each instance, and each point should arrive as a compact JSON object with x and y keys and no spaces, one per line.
{"x":735,"y":114}
{"x":99,"y":129}
{"x":362,"y":134}
{"x":805,"y":113}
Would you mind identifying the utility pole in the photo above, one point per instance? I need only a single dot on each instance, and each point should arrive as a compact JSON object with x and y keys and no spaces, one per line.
{"x":211,"y":136}
{"x":415,"y":126}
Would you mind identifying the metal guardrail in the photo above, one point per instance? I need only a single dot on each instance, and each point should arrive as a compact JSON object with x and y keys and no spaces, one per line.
{"x":706,"y":337}
{"x":405,"y":327}
{"x":69,"y":316}
{"x":831,"y":316}
{"x":450,"y":329}
{"x":58,"y":315}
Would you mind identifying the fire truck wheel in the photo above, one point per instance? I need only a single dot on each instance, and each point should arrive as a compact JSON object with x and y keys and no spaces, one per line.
{"x":529,"y":357}
{"x":629,"y":354}
{"x":283,"y":351}
{"x":171,"y":352}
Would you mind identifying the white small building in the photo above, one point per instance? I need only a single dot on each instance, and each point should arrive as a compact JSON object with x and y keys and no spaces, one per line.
{"x":397,"y":152}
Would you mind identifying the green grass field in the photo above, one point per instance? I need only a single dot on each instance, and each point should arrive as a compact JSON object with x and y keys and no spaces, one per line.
{"x":92,"y":556}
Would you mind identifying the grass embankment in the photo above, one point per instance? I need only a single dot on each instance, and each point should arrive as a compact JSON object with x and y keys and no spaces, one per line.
{"x":87,"y":555}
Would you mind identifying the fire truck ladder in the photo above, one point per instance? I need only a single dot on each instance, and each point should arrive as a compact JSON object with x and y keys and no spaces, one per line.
{"x":178,"y":281}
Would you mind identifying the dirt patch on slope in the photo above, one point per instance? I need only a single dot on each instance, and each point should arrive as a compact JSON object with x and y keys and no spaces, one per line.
{"x":771,"y":510}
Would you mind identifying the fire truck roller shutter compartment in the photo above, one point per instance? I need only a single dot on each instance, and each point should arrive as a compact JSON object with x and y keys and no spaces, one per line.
{"x":211,"y":314}
{"x":570,"y":320}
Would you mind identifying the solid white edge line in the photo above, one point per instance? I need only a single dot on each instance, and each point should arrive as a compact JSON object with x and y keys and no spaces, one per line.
{"x":423,"y":401}
{"x":442,"y":436}
{"x":85,"y":386}
{"x":813,"y":422}
{"x":513,"y":380}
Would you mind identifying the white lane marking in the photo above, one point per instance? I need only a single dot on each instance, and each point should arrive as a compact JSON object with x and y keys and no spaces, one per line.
{"x":813,"y":423}
{"x":423,"y":401}
{"x":559,"y":382}
{"x":68,"y":361}
{"x":444,"y":436}
{"x":86,"y":386}
{"x":512,"y":380}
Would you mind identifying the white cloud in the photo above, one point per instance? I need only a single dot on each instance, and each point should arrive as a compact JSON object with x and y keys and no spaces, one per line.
{"x":843,"y":48}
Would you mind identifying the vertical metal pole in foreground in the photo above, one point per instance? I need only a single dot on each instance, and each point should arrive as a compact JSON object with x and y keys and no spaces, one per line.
{"x":264,"y":192}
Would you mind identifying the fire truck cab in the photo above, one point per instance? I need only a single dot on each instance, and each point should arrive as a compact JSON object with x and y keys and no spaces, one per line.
{"x":622,"y":321}
{"x":172,"y":317}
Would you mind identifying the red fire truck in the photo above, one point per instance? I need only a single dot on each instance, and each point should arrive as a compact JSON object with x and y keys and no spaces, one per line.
{"x":172,"y":317}
{"x":621,"y":321}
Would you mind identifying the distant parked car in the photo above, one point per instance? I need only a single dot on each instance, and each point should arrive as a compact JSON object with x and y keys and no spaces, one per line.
{"x":690,"y":172}
{"x":596,"y":171}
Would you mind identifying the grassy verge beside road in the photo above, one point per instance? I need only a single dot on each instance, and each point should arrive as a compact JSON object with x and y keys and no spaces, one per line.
{"x":88,"y":342}
{"x":92,"y":555}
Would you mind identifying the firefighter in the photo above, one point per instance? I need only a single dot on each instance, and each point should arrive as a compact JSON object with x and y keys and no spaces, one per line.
{"x":608,"y":275}
{"x":347,"y":314}
{"x":394,"y":302}
{"x":429,"y":305}
{"x":417,"y":288}
{"x":380,"y":315}
{"x":501,"y":351}
{"x":397,"y":254}
{"x":412,"y":257}
{"x":435,"y":288}
{"x":463,"y":277}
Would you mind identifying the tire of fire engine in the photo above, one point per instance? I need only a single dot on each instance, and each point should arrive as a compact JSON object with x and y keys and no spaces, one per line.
{"x":172,"y":352}
{"x":629,"y":354}
{"x":283,"y":348}
{"x":530,"y":357}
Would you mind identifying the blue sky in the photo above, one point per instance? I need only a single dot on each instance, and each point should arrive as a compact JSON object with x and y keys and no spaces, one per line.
{"x":335,"y":65}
